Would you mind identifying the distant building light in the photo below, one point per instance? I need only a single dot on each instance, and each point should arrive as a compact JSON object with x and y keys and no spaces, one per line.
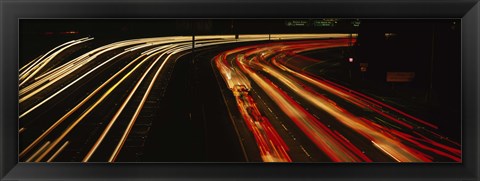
{"x":350,"y":59}
{"x":356,"y":23}
{"x":389,"y":35}
{"x":69,"y":32}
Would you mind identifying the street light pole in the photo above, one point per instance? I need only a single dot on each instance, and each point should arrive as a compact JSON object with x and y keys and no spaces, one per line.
{"x":193,"y":36}
{"x":350,"y":43}
{"x":429,"y":94}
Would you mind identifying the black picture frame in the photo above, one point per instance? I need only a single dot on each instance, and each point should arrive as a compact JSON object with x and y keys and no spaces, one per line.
{"x":12,"y":10}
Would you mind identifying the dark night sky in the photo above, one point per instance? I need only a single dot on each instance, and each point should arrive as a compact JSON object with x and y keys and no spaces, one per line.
{"x":162,"y":27}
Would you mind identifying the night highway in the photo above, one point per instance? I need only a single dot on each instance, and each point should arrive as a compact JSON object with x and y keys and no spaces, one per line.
{"x":247,"y":96}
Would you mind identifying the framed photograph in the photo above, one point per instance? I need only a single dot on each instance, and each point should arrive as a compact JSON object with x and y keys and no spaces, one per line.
{"x":239,"y":90}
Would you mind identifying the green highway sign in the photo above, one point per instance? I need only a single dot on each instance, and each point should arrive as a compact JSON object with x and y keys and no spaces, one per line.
{"x":324,"y":23}
{"x":297,"y":23}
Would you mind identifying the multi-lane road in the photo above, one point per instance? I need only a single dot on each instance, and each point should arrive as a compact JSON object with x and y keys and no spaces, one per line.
{"x":245,"y":99}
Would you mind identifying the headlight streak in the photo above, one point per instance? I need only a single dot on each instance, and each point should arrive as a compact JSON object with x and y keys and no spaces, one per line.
{"x":137,"y":112}
{"x":61,"y":67}
{"x":79,"y":105}
{"x":43,"y":62}
{"x":63,"y":118}
{"x":33,"y":63}
{"x":21,"y":70}
{"x":59,"y":72}
{"x":58,"y":151}
{"x":104,"y":49}
{"x":84,"y":114}
{"x":85,"y":58}
{"x":124,"y":104}
{"x":52,"y":78}
{"x":40,"y":150}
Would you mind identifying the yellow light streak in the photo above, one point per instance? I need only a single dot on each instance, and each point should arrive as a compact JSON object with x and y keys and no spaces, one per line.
{"x":58,"y":151}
